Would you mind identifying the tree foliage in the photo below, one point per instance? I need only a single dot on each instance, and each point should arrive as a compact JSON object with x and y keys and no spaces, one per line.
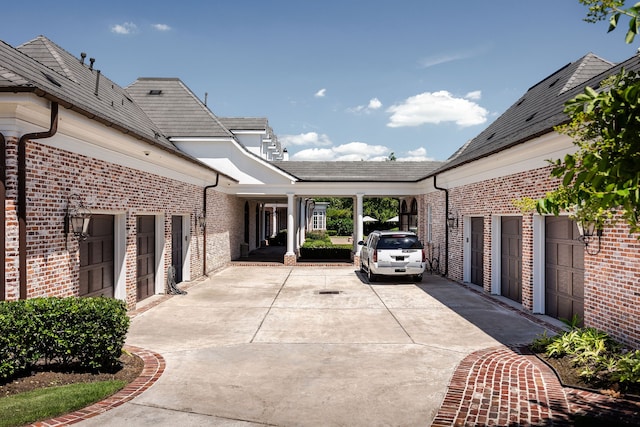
{"x":601,"y":179}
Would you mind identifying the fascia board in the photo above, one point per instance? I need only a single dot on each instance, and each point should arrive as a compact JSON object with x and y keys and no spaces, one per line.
{"x":533,"y":154}
{"x":348,"y":189}
{"x":79,"y":135}
{"x":238,"y":150}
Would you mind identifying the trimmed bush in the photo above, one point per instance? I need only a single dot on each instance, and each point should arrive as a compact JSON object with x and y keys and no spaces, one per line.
{"x":86,"y":331}
{"x":325,"y":252}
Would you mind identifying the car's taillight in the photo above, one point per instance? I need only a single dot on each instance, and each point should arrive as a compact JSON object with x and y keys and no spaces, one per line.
{"x":375,"y":256}
{"x":424,"y":256}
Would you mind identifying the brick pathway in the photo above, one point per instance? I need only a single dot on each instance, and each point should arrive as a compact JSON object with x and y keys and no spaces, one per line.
{"x":154,"y":366}
{"x":507,"y":387}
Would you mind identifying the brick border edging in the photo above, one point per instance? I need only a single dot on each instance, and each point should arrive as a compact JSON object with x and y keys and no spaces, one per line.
{"x":154,"y":366}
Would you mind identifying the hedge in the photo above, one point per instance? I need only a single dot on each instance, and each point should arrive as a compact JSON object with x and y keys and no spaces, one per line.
{"x":86,"y":331}
{"x":335,"y":252}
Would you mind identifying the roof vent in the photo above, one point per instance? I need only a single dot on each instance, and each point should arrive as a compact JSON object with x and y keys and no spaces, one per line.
{"x":520,"y":102}
{"x":52,"y":80}
{"x":155,"y":92}
{"x":82,"y":56}
{"x":491,"y":136}
{"x":528,"y":119}
{"x":91,"y":61}
{"x":554,"y":82}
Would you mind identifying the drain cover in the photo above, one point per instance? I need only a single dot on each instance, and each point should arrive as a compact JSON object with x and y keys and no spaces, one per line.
{"x":328,"y":292}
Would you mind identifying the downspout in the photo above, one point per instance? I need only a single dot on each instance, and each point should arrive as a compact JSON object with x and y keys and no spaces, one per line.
{"x":204,"y":230}
{"x":3,"y":216}
{"x":22,"y":195}
{"x":446,"y":224}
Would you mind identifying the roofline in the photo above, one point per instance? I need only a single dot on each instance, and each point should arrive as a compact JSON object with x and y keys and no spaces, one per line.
{"x":93,"y":116}
{"x":491,"y":153}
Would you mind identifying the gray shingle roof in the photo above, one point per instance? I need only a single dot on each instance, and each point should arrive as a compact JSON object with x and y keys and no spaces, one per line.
{"x":358,"y":171}
{"x":43,"y":67}
{"x":175,"y":108}
{"x":537,"y":112}
{"x":245,"y":123}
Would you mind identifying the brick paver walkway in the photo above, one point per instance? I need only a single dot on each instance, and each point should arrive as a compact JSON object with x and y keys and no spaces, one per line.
{"x":154,"y":366}
{"x":507,"y":387}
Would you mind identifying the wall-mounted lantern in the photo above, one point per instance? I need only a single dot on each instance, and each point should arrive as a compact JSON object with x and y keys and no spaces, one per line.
{"x":202,"y":222}
{"x":77,"y":217}
{"x":589,"y":232}
{"x":452,"y":220}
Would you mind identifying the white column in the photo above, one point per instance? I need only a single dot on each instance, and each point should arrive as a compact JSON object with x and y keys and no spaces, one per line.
{"x":358,"y":223}
{"x":290,"y":224}
{"x":274,"y":222}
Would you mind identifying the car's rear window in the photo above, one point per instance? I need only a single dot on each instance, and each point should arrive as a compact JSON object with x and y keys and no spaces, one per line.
{"x":399,"y":241}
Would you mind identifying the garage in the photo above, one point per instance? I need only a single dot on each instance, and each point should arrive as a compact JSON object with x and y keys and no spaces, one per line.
{"x":511,"y":258}
{"x":96,"y":259}
{"x":564,"y":269}
{"x":477,"y":251}
{"x":146,"y":256}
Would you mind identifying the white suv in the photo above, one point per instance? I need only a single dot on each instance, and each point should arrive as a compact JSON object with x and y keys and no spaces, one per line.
{"x":392,"y":253}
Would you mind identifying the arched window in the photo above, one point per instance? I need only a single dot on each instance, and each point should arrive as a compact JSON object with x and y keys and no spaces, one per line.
{"x":404,"y":216}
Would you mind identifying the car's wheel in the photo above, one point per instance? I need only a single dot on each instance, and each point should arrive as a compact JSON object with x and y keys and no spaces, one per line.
{"x":418,"y":277}
{"x":361,"y":267}
{"x":372,"y":277}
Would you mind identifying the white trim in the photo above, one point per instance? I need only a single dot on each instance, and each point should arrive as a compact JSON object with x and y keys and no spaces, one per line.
{"x":120,"y":255}
{"x":466,"y":249}
{"x":496,"y":261}
{"x":160,"y":274}
{"x":186,"y":247}
{"x":539,"y":292}
{"x":522,"y":157}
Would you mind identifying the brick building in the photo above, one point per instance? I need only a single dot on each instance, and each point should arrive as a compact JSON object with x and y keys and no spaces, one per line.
{"x":174,"y":190}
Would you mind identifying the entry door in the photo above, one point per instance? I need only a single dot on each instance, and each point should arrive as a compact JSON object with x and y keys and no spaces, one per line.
{"x":146,"y":256}
{"x":511,"y":258}
{"x":96,"y":258}
{"x":477,"y":251}
{"x":564,"y":269}
{"x":176,"y":247}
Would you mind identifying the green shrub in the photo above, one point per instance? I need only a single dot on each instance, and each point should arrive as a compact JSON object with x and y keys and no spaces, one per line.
{"x":307,"y":252}
{"x":628,"y":368}
{"x":87,"y":331}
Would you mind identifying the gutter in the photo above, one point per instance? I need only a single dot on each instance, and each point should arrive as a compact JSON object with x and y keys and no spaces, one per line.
{"x":22,"y":195}
{"x":204,"y":230}
{"x":446,"y":224}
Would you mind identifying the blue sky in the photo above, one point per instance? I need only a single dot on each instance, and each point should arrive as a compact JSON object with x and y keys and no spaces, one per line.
{"x":337,"y":79}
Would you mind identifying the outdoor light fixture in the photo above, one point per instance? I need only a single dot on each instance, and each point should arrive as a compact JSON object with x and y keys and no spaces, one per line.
{"x":589,"y":232}
{"x":202,"y":221}
{"x":77,"y":217}
{"x":452,"y":220}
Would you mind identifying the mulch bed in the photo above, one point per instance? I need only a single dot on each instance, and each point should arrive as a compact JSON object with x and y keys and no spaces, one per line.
{"x":51,"y":376}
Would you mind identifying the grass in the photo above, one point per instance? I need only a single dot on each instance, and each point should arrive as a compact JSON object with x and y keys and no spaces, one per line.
{"x":24,"y":408}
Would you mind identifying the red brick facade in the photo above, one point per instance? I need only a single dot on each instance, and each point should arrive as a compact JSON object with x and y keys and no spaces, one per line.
{"x":53,"y":258}
{"x":612,"y":277}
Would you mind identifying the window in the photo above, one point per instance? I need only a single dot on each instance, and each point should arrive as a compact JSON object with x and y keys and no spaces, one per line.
{"x":319,"y":220}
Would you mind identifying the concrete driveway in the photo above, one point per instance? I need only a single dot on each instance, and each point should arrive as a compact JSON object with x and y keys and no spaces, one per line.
{"x":310,"y":346}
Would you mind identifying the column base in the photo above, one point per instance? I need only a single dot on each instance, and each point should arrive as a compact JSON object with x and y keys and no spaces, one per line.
{"x":290,"y":259}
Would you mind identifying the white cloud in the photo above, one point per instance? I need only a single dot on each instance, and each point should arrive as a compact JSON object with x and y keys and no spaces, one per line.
{"x":475,"y":95}
{"x":374,"y":104}
{"x":419,"y":154}
{"x":352,"y":151}
{"x":162,"y":27}
{"x":309,"y":138}
{"x":321,"y":93}
{"x":441,"y":59}
{"x":436,"y":107}
{"x":126,"y":28}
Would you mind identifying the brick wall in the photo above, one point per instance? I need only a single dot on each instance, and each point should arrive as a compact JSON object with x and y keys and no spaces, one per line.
{"x":612,"y":278}
{"x":54,"y":174}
